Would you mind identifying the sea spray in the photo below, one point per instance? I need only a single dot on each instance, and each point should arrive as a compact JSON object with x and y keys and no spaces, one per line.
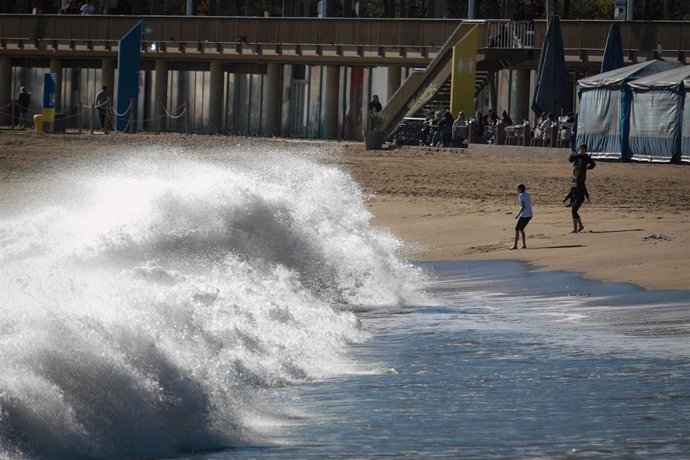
{"x":145,"y":301}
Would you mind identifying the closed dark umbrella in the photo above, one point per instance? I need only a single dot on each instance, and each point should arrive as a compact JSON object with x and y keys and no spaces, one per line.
{"x":550,"y":89}
{"x":613,"y":53}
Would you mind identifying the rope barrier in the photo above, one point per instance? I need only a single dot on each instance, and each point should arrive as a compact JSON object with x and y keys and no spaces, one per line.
{"x":126,"y":112}
{"x":146,"y":120}
{"x":175,"y":117}
{"x":82,"y":110}
{"x":74,"y":115}
{"x":123,"y":131}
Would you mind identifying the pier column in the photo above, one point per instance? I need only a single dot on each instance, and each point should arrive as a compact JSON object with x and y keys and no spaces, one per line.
{"x":108,"y":75}
{"x":393,"y":80}
{"x":5,"y":89}
{"x":522,"y":89}
{"x":216,"y":97}
{"x":160,"y":94}
{"x":330,"y":105}
{"x":272,"y":102}
{"x":493,"y":92}
{"x":56,"y":68}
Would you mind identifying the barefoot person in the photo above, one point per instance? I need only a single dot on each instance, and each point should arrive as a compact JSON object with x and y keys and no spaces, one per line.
{"x":577,"y":195}
{"x":524,"y":215}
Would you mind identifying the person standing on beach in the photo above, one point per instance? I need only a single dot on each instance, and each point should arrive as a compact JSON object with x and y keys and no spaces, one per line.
{"x":582,"y":161}
{"x":577,"y":195}
{"x":524,"y":215}
{"x":375,"y":104}
{"x":23,"y":101}
{"x":374,"y":120}
{"x":102,"y":105}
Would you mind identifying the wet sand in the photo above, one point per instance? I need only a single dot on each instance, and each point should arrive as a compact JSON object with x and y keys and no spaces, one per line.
{"x":456,"y":204}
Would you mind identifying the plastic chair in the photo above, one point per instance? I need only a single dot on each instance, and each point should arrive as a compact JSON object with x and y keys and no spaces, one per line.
{"x":565,"y":136}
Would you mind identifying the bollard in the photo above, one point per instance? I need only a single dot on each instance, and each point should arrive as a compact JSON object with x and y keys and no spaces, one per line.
{"x":92,"y":114}
{"x":186,"y":118}
{"x":131,"y":115}
{"x":525,"y":135}
{"x":38,"y":123}
{"x":106,"y":119}
{"x":499,"y":136}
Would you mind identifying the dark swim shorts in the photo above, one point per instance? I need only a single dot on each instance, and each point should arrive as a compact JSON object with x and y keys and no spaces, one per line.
{"x":522,"y":223}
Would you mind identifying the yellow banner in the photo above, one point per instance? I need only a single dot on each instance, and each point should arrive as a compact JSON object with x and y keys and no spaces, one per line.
{"x":463,"y":74}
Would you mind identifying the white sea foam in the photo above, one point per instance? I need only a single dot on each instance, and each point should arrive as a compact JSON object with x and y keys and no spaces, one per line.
{"x":146,"y":301}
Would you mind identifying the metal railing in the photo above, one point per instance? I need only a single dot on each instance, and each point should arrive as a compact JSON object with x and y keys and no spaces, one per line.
{"x":252,"y":30}
{"x":509,"y":34}
{"x":25,"y":33}
{"x":673,"y":36}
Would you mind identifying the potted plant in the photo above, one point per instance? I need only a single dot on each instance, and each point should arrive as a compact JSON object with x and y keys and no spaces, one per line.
{"x":373,"y":134}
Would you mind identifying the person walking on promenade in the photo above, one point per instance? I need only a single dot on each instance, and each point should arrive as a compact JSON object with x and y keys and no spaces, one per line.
{"x":88,"y":8}
{"x":524,"y":215}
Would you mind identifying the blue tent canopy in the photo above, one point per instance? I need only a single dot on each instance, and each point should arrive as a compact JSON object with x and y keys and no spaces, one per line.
{"x":613,"y":52}
{"x":656,"y":115}
{"x":604,"y":115}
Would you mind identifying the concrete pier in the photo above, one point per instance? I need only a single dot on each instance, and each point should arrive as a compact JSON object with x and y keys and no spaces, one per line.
{"x":393,"y":79}
{"x":56,"y":68}
{"x":331,"y":96}
{"x":272,"y":102}
{"x":217,"y":96}
{"x":160,"y":94}
{"x":5,"y":89}
{"x":522,"y":88}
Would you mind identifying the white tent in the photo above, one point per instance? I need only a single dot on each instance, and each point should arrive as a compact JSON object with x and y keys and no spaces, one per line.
{"x":656,"y":115}
{"x":604,"y":116}
{"x":685,"y":137}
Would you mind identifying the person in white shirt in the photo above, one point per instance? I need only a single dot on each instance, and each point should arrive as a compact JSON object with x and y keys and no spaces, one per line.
{"x":524,"y":215}
{"x":88,"y":8}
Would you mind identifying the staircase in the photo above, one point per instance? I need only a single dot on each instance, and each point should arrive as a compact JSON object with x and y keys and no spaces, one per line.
{"x":441,"y":100}
{"x":428,"y":90}
{"x":422,"y":87}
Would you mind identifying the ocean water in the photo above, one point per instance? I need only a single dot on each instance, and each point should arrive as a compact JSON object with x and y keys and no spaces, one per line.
{"x":506,"y":362}
{"x":237,"y":303}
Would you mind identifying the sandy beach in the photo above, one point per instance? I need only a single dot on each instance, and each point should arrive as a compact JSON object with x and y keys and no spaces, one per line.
{"x":458,"y":204}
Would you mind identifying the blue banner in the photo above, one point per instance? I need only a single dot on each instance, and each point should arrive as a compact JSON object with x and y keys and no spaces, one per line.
{"x":49,"y":86}
{"x":128,"y":62}
{"x":49,"y":89}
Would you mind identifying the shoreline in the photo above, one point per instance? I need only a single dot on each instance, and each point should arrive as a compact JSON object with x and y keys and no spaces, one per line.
{"x":600,"y":254}
{"x":450,"y":204}
{"x":459,"y":205}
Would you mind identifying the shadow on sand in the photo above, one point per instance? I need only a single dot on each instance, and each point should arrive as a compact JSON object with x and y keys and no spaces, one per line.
{"x":614,"y":231}
{"x":567,"y":246}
